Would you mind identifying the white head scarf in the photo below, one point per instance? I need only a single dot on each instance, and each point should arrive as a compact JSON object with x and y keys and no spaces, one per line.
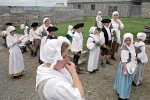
{"x":115,"y":13}
{"x":4,"y":32}
{"x":70,"y":27}
{"x":22,"y":26}
{"x":141,"y":36}
{"x":127,"y":35}
{"x":99,"y":12}
{"x":44,"y":20}
{"x":10,"y":29}
{"x":92,"y":29}
{"x":51,"y":51}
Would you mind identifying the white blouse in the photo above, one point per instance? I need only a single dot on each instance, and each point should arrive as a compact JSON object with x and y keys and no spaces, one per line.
{"x":77,"y":42}
{"x":141,"y":56}
{"x":32,"y":35}
{"x":117,"y":28}
{"x":125,"y":54}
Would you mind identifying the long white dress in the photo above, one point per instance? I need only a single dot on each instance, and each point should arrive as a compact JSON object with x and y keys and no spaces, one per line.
{"x":43,"y":39}
{"x":16,"y":64}
{"x":117,"y":28}
{"x":93,"y":56}
{"x":59,"y":85}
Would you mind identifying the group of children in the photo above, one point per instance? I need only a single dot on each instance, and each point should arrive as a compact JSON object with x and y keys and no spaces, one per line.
{"x":104,"y":39}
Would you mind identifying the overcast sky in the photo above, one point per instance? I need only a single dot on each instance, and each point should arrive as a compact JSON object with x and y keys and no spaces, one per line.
{"x":47,"y":3}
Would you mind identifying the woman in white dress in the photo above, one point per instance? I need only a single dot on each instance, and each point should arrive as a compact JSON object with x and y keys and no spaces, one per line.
{"x":57,"y":78}
{"x":93,"y":45}
{"x":116,"y":25}
{"x":16,"y":64}
{"x":141,"y":59}
{"x":42,"y":32}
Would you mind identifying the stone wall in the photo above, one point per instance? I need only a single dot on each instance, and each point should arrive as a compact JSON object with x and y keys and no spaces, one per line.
{"x":27,"y":15}
{"x":145,"y":9}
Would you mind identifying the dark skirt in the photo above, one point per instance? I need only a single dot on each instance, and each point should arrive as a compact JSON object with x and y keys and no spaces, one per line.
{"x":105,"y":51}
{"x":115,"y":47}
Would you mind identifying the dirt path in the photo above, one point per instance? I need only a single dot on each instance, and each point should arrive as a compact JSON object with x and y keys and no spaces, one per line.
{"x":97,"y":86}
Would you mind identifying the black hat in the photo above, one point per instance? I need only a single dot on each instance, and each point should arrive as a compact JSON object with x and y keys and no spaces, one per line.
{"x":52,"y":28}
{"x":34,"y":24}
{"x":8,"y":23}
{"x":106,"y":21}
{"x":78,"y":25}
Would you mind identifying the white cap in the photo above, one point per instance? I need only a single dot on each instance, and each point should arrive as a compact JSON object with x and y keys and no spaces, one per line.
{"x":115,"y":13}
{"x":22,"y":26}
{"x":10,"y":29}
{"x":92,"y":29}
{"x":51,"y":51}
{"x":141,"y":36}
{"x":44,"y":20}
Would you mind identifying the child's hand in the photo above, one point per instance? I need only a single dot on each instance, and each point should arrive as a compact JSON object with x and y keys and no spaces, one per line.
{"x":125,"y":73}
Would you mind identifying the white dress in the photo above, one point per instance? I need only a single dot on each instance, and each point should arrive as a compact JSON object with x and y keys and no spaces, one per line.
{"x":43,"y":39}
{"x":16,"y":64}
{"x":94,"y":51}
{"x":59,"y":86}
{"x":117,"y":28}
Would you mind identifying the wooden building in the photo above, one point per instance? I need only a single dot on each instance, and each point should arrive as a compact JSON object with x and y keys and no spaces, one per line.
{"x":126,"y":8}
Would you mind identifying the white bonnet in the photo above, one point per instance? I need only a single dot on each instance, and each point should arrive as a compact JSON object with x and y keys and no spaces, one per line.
{"x":127,"y":35}
{"x":141,"y":36}
{"x":44,"y":20}
{"x":51,"y":51}
{"x":10,"y":29}
{"x":22,"y":26}
{"x":70,"y":27}
{"x":114,"y":13}
{"x":92,"y":29}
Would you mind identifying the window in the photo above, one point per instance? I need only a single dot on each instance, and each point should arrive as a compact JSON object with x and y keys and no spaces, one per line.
{"x":112,"y":9}
{"x":92,"y":7}
{"x":79,"y":6}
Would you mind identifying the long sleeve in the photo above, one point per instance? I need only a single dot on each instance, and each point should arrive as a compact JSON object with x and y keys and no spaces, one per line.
{"x":11,"y":40}
{"x":90,"y":43}
{"x":65,"y":91}
{"x":121,"y":25}
{"x":124,"y":55}
{"x":39,"y":30}
{"x":31,"y":35}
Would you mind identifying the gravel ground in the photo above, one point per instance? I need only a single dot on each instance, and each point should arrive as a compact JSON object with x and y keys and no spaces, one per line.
{"x":97,"y":86}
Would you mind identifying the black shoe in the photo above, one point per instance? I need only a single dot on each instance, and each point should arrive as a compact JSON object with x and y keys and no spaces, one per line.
{"x":134,"y":84}
{"x":113,"y":58}
{"x":96,"y":69}
{"x":32,"y":53}
{"x":17,"y":77}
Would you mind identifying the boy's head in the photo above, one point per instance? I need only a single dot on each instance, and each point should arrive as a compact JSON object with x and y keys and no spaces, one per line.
{"x":52,"y":30}
{"x":34,"y":25}
{"x":79,"y":27}
{"x":106,"y":22}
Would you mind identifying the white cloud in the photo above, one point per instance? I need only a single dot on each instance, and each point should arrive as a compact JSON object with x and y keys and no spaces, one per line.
{"x":30,"y":2}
